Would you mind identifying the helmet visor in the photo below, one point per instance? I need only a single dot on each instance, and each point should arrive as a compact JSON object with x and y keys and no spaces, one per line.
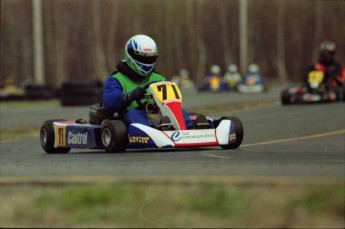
{"x":143,"y":57}
{"x":326,"y":55}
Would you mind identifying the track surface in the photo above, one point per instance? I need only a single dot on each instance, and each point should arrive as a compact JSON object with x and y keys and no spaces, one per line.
{"x":291,"y":141}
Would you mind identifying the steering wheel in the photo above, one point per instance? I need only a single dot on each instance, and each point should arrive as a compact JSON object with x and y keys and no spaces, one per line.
{"x":141,"y":105}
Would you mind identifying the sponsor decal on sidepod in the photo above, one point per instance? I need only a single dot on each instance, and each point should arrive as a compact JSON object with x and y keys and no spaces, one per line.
{"x":199,"y":136}
{"x":77,"y":138}
{"x":81,"y":137}
{"x":134,"y":139}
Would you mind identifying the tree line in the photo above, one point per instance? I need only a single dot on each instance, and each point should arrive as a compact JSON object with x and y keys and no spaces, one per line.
{"x":84,"y":39}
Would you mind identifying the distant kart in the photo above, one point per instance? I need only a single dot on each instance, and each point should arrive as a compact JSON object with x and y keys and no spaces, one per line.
{"x":317,"y":93}
{"x":213,"y":84}
{"x":110,"y":133}
{"x":251,"y":83}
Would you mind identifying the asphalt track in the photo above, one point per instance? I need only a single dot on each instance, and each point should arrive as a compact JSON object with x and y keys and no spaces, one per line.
{"x":279,"y":141}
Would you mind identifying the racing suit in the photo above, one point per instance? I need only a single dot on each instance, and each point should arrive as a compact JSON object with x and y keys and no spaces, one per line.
{"x":119,"y":84}
{"x":334,"y":74}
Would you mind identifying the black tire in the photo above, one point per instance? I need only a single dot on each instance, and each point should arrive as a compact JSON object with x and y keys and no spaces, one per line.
{"x":81,"y":86}
{"x":36,"y":92}
{"x":81,"y":93}
{"x":114,"y":136}
{"x":285,"y":97}
{"x":85,"y":100}
{"x":238,"y":130}
{"x":47,"y":138}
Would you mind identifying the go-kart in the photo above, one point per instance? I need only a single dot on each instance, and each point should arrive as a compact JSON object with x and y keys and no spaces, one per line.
{"x":213,"y":83}
{"x":109,"y":132}
{"x":251,"y":83}
{"x":315,"y":92}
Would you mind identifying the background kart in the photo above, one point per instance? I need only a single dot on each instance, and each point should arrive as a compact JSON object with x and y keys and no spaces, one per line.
{"x":316,"y":93}
{"x":251,"y":83}
{"x":299,"y":94}
{"x":110,"y":132}
{"x":213,"y":84}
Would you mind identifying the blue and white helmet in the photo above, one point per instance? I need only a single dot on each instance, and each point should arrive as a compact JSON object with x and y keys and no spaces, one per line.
{"x":232,"y":68}
{"x":215,"y":69}
{"x":141,"y":54}
{"x":253,"y":68}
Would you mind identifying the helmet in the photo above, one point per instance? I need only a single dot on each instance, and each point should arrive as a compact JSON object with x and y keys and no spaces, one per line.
{"x":141,"y":54}
{"x":215,"y":69}
{"x":327,"y":51}
{"x":232,"y":68}
{"x":253,"y":68}
{"x":184,"y":72}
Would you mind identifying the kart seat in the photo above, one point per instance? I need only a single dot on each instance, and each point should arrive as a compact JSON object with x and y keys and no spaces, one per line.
{"x":201,"y":122}
{"x":98,"y":113}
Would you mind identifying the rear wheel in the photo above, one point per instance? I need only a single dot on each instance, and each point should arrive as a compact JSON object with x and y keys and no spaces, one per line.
{"x":47,"y":138}
{"x":238,"y":131}
{"x":285,"y":97}
{"x":114,"y":136}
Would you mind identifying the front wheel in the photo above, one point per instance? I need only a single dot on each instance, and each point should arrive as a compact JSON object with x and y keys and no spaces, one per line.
{"x":47,"y":138}
{"x":114,"y":136}
{"x":238,"y":133}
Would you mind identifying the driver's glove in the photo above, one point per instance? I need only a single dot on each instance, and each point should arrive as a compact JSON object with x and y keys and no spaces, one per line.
{"x":136,"y":94}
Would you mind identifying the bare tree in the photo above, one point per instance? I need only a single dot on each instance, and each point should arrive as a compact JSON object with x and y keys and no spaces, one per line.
{"x":201,"y":47}
{"x":243,"y":35}
{"x":190,"y":54}
{"x":169,"y":37}
{"x":60,"y":42}
{"x":281,"y":42}
{"x":111,"y":35}
{"x":84,"y":37}
{"x":100,"y":61}
{"x":177,"y":44}
{"x":224,"y":32}
{"x":318,"y":26}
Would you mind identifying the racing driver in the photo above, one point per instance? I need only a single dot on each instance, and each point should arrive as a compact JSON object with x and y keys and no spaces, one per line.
{"x":125,"y":85}
{"x":334,"y":72}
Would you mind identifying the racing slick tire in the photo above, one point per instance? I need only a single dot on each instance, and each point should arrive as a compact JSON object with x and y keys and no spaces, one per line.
{"x":47,"y":138}
{"x":114,"y":136}
{"x":81,"y":93}
{"x":285,"y":97}
{"x":238,"y":130}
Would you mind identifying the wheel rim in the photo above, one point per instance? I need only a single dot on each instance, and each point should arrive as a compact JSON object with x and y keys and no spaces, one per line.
{"x":106,"y":137}
{"x":43,"y":137}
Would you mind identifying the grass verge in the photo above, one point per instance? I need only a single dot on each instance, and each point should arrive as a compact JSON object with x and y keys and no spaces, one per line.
{"x":157,"y":205}
{"x":13,"y":134}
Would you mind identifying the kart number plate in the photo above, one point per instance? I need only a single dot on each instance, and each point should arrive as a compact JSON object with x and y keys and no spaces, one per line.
{"x":60,"y":136}
{"x":315,"y":77}
{"x":215,"y":83}
{"x":166,"y":91}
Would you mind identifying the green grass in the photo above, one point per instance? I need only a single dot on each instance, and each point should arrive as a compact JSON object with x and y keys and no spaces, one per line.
{"x":125,"y":204}
{"x":11,"y":133}
{"x":319,"y":200}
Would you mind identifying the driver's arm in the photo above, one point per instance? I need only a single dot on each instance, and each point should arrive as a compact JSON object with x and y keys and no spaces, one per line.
{"x":114,"y":99}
